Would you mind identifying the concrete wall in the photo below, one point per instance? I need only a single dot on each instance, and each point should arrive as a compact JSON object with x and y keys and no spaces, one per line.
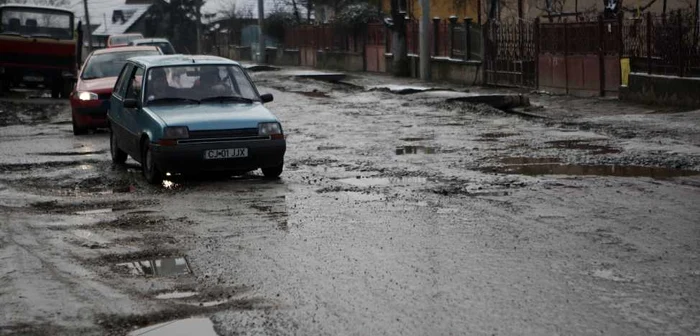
{"x":662,"y":90}
{"x":345,"y":61}
{"x":237,"y":53}
{"x":286,"y":57}
{"x":443,"y":69}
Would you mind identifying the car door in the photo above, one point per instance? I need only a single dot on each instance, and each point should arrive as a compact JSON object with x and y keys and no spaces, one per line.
{"x":132,"y":127}
{"x":116,"y":110}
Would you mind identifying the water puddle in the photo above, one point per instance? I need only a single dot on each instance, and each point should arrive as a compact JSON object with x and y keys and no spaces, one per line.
{"x":414,"y":139}
{"x":408,"y":150}
{"x":94,"y":211}
{"x":599,"y":170}
{"x":175,"y":295}
{"x":158,"y":267}
{"x":496,"y":135}
{"x":72,"y":153}
{"x":313,"y":94}
{"x":185,"y":327}
{"x":529,"y":160}
{"x":583,"y":145}
{"x":383,"y":181}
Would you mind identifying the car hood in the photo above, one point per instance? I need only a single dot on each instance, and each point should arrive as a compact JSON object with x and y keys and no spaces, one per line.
{"x":97,"y":84}
{"x":213,"y":116}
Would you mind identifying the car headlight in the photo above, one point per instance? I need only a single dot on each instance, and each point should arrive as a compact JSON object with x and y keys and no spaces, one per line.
{"x":85,"y":95}
{"x":176,"y":132}
{"x":270,"y":128}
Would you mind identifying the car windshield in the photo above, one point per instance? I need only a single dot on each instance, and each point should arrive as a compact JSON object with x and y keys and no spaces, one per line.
{"x":165,"y":47}
{"x":123,"y":39}
{"x":37,"y":23}
{"x":199,"y":84}
{"x":110,"y":64}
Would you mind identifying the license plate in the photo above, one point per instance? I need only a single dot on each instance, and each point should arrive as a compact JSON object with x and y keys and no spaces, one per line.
{"x":227,"y":153}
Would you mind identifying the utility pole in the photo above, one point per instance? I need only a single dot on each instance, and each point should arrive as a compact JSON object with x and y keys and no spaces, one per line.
{"x":88,"y":28}
{"x":198,"y":15}
{"x":424,"y":31}
{"x":261,"y":31}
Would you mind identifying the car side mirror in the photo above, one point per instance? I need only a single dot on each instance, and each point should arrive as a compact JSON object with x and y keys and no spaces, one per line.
{"x":131,"y":103}
{"x":266,"y":98}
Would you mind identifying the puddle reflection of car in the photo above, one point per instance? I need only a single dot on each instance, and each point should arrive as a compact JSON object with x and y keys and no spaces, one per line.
{"x":185,"y":114}
{"x":90,"y":98}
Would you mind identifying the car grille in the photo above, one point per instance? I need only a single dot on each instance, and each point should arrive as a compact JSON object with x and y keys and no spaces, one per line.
{"x":223,"y":135}
{"x":104,"y":96}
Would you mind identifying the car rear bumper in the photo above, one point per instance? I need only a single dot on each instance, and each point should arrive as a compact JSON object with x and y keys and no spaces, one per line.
{"x":184,"y":158}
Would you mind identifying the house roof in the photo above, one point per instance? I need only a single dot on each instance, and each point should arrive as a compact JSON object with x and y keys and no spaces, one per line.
{"x":101,"y":15}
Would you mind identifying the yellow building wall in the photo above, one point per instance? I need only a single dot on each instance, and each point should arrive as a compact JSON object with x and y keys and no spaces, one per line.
{"x":438,"y":8}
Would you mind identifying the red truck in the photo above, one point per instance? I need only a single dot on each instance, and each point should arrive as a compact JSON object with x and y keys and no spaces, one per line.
{"x":38,"y":46}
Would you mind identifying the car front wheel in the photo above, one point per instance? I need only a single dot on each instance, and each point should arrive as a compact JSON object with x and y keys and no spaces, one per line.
{"x":118,"y":155}
{"x":273,"y":172}
{"x":148,"y":165}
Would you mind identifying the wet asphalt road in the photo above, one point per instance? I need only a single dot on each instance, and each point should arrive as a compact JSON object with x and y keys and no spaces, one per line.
{"x":396,"y":214}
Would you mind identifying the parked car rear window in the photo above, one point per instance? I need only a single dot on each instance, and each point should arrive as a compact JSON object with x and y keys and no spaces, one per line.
{"x":197,"y":83}
{"x":165,"y":47}
{"x":110,"y":64}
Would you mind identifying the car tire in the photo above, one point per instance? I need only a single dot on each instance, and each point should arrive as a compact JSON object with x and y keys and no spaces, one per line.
{"x":78,"y":130}
{"x":273,"y":172}
{"x":118,"y":155}
{"x":148,"y":167}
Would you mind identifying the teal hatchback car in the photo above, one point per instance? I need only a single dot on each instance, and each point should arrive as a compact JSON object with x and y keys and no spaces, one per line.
{"x":183,"y":114}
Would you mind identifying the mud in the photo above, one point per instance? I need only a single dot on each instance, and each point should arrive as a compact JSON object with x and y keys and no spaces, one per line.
{"x":583,"y":170}
{"x":529,"y":160}
{"x":584,"y":145}
{"x":100,"y":206}
{"x":26,"y":113}
{"x":408,"y":150}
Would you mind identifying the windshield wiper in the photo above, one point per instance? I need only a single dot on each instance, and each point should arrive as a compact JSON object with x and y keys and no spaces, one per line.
{"x":229,"y":98}
{"x":173,"y":99}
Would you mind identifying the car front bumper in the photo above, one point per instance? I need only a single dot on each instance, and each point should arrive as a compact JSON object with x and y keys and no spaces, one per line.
{"x":183,"y":158}
{"x":91,"y":113}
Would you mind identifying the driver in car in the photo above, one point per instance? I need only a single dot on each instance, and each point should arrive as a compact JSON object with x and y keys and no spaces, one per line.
{"x":158,"y":86}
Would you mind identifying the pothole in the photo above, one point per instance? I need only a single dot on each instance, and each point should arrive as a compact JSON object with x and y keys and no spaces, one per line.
{"x":408,"y":150}
{"x":529,"y":160}
{"x":383,"y":181}
{"x":583,"y":145}
{"x":190,"y":326}
{"x":72,"y":153}
{"x":592,"y":170}
{"x":86,"y":207}
{"x":157,"y":267}
{"x":495,"y":135}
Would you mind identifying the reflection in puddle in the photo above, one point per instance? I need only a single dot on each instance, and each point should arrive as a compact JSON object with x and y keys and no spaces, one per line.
{"x":383,"y":181}
{"x":175,"y":295}
{"x":601,"y":170}
{"x":185,"y":327}
{"x":94,"y":212}
{"x":413,"y":139}
{"x":406,"y":150}
{"x":170,"y":185}
{"x":529,"y":160}
{"x":583,"y":145}
{"x":158,"y":267}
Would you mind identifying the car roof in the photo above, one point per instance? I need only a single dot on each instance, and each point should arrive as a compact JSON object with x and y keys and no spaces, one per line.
{"x":49,"y":8}
{"x":122,"y":49}
{"x":149,"y":40}
{"x":176,"y":60}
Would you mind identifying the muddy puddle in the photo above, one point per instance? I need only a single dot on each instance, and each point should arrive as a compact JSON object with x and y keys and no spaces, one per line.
{"x":199,"y":326}
{"x":529,"y":160}
{"x":583,"y":145}
{"x":72,"y":153}
{"x":157,"y":267}
{"x":592,"y":170}
{"x":414,"y":139}
{"x":383,"y":181}
{"x":497,"y":135}
{"x":313,"y":94}
{"x":408,"y":150}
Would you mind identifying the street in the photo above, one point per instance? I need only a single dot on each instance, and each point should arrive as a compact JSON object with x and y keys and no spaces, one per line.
{"x":396,"y":214}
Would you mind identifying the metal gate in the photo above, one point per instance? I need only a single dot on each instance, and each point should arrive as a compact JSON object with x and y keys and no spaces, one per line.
{"x":509,"y":54}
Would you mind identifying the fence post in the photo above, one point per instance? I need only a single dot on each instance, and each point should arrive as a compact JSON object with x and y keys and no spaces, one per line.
{"x":649,"y":23}
{"x":453,"y":23}
{"x":467,"y":38}
{"x":601,"y":55}
{"x":536,"y":37}
{"x":680,"y":43}
{"x":436,"y":36}
{"x":620,"y":33}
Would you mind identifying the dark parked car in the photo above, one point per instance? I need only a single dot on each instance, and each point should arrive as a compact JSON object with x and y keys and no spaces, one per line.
{"x":161,"y":43}
{"x":179,"y":114}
